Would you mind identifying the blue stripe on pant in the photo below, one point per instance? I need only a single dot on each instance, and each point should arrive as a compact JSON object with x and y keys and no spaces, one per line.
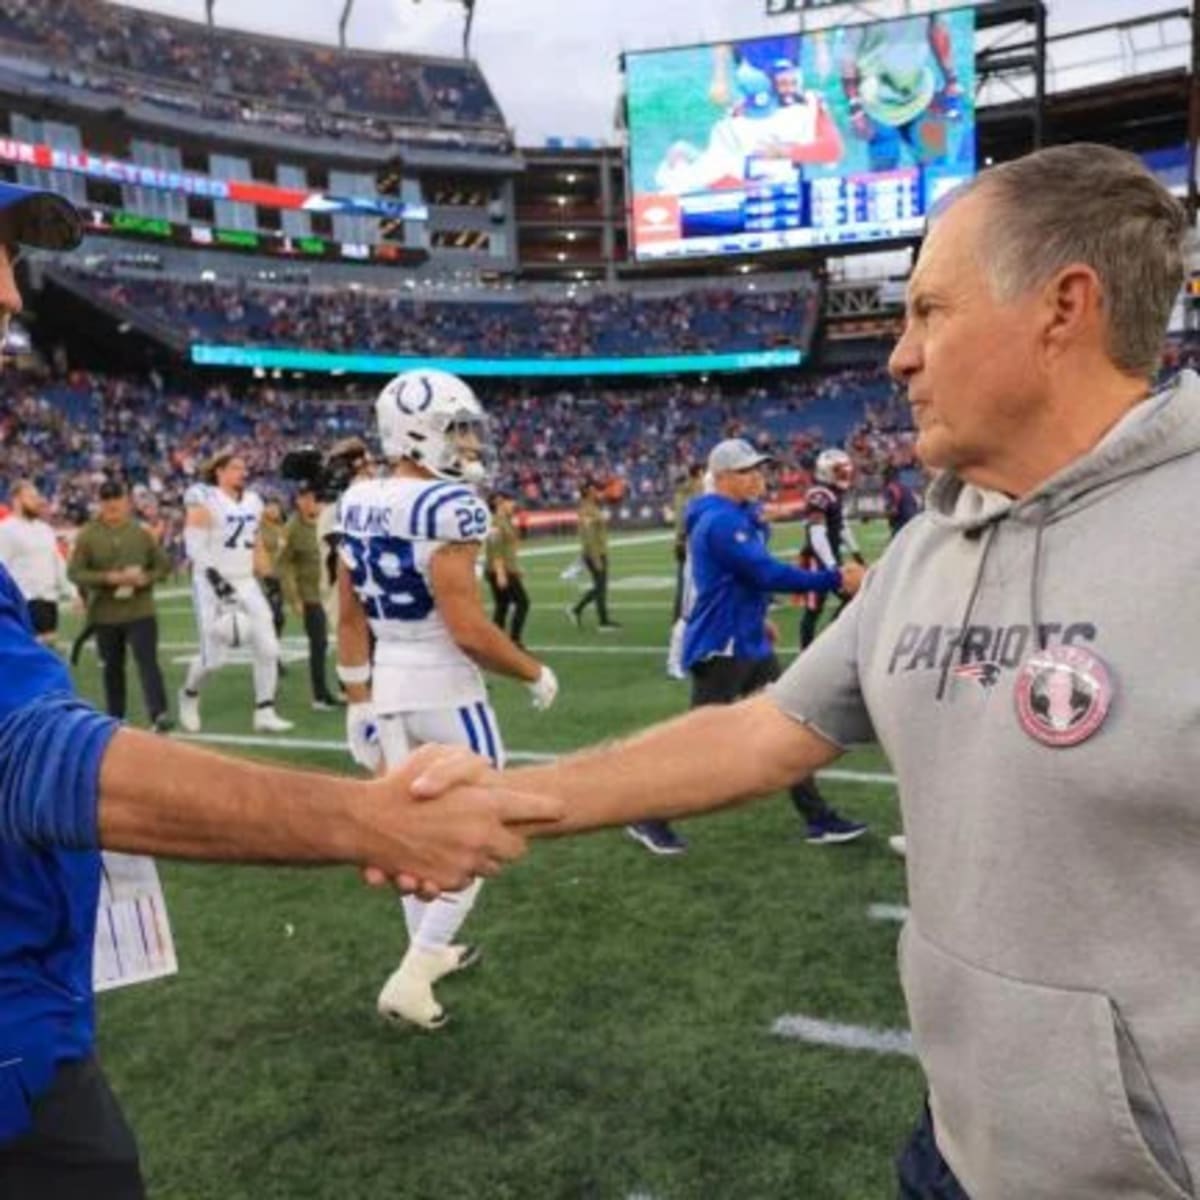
{"x":464,"y":715}
{"x":488,"y":736}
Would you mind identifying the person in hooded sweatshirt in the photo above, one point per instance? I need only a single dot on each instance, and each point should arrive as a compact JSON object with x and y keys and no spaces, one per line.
{"x":1042,"y":717}
{"x":728,"y":643}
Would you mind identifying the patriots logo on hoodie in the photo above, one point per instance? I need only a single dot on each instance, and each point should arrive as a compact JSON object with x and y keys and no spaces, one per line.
{"x":986,"y":674}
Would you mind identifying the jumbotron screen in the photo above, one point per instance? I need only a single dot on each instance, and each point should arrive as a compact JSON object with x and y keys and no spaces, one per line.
{"x":836,"y":136}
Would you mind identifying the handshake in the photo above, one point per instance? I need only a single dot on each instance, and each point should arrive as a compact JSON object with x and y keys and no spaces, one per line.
{"x":853,"y":574}
{"x":458,"y":822}
{"x":440,"y":820}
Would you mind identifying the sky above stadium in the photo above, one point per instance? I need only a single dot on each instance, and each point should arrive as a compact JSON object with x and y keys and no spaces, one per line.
{"x":553,"y":63}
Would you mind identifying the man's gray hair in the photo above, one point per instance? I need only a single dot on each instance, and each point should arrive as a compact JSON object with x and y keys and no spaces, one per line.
{"x":1092,"y":204}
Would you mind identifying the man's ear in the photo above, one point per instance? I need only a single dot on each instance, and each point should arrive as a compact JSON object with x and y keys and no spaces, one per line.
{"x":1073,"y":308}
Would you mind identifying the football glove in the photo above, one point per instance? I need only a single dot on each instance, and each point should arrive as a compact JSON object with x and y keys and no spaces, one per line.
{"x":544,"y":688}
{"x":362,"y":735}
{"x":221,"y":586}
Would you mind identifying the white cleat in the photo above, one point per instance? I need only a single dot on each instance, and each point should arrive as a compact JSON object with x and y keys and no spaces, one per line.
{"x":408,"y":994}
{"x":455,"y":958}
{"x":267,"y":720}
{"x":189,"y":712}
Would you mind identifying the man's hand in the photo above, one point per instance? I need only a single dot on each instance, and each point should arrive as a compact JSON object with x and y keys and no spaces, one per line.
{"x":362,"y":735}
{"x":853,"y":574}
{"x":544,"y":689}
{"x":458,"y":824}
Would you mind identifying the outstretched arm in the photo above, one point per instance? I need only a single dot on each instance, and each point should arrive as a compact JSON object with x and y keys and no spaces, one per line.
{"x":712,"y":758}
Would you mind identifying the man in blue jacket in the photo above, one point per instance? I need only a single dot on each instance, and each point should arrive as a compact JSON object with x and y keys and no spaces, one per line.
{"x":728,"y":645}
{"x":72,"y":780}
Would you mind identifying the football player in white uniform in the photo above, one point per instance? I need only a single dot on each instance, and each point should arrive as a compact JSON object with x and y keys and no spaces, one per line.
{"x":226,"y":551}
{"x":407,"y":545}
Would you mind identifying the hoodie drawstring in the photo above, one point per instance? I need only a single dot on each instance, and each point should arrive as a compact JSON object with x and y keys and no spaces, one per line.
{"x":1035,"y":580}
{"x":988,"y":538}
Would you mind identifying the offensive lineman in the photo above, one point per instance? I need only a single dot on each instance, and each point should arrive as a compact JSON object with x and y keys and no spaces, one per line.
{"x":829,"y":537}
{"x":224,"y":543}
{"x":407,"y":547}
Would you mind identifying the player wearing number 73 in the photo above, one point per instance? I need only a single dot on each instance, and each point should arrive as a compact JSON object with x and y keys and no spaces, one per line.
{"x":225,"y":546}
{"x":408,"y":544}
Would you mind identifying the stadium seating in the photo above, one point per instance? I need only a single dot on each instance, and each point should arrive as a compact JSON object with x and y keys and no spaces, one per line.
{"x":112,"y":48}
{"x":68,"y":433}
{"x":717,"y":320}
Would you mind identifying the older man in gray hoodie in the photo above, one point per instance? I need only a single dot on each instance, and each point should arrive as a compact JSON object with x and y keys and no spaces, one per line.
{"x":1042,"y":715}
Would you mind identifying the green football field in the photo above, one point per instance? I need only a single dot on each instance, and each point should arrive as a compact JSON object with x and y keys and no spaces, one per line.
{"x":617,"y":1040}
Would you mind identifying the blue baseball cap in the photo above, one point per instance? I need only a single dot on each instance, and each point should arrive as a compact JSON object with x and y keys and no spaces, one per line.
{"x":35,"y":217}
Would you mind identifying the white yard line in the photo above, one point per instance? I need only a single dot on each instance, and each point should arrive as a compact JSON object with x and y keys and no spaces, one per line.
{"x":323,"y":744}
{"x":845,"y":1037}
{"x":297,"y":646}
{"x":887,"y":912}
{"x":571,"y":549}
{"x":335,"y":746}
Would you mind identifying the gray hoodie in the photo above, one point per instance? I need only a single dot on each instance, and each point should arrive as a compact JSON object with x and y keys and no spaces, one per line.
{"x":1052,"y":959}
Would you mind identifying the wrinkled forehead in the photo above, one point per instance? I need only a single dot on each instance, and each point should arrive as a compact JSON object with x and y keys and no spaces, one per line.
{"x":951,"y":252}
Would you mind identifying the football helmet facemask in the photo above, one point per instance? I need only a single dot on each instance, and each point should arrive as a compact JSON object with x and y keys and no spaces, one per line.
{"x":434,"y":419}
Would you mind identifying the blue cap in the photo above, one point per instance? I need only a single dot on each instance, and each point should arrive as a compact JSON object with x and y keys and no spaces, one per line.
{"x":34,"y":217}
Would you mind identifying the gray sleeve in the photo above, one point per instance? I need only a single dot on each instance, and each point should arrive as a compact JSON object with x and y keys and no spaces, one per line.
{"x":821,"y":688}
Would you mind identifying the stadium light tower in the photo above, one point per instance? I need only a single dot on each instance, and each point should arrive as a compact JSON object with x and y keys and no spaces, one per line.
{"x":343,"y":21}
{"x":468,"y":7}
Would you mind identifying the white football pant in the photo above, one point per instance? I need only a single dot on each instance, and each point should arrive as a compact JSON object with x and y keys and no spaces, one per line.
{"x":434,"y":923}
{"x":260,"y":638}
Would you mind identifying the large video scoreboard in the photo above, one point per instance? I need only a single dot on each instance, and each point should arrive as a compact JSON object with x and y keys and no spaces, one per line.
{"x":839,"y":136}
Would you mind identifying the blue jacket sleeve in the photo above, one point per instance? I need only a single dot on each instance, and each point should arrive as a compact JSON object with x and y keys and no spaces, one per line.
{"x":738,"y":549}
{"x":51,"y":744}
{"x":50,"y":756}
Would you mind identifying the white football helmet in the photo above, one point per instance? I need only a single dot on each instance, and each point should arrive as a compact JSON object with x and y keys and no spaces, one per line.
{"x":434,"y":419}
{"x":230,"y":627}
{"x":835,"y":468}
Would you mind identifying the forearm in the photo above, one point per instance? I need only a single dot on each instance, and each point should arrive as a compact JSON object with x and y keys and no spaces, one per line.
{"x":767,"y":574}
{"x":494,"y":650}
{"x":711,"y":758}
{"x":89,"y":577}
{"x":164,"y":797}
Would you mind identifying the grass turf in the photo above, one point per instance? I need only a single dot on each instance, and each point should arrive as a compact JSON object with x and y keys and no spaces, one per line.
{"x":615,"y":1042}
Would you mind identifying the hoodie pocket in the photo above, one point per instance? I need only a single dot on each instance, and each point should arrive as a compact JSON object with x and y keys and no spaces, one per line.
{"x":16,"y":1109}
{"x":1029,"y":1096}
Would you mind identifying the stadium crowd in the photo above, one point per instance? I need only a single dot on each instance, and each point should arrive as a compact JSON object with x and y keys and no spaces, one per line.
{"x":222,"y":73}
{"x":70,"y":432}
{"x":716,"y":320}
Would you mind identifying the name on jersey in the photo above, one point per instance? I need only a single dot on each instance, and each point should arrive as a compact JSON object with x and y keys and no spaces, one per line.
{"x":364,"y":519}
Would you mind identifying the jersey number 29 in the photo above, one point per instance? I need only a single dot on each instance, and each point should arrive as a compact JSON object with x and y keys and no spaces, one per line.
{"x":388,"y":562}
